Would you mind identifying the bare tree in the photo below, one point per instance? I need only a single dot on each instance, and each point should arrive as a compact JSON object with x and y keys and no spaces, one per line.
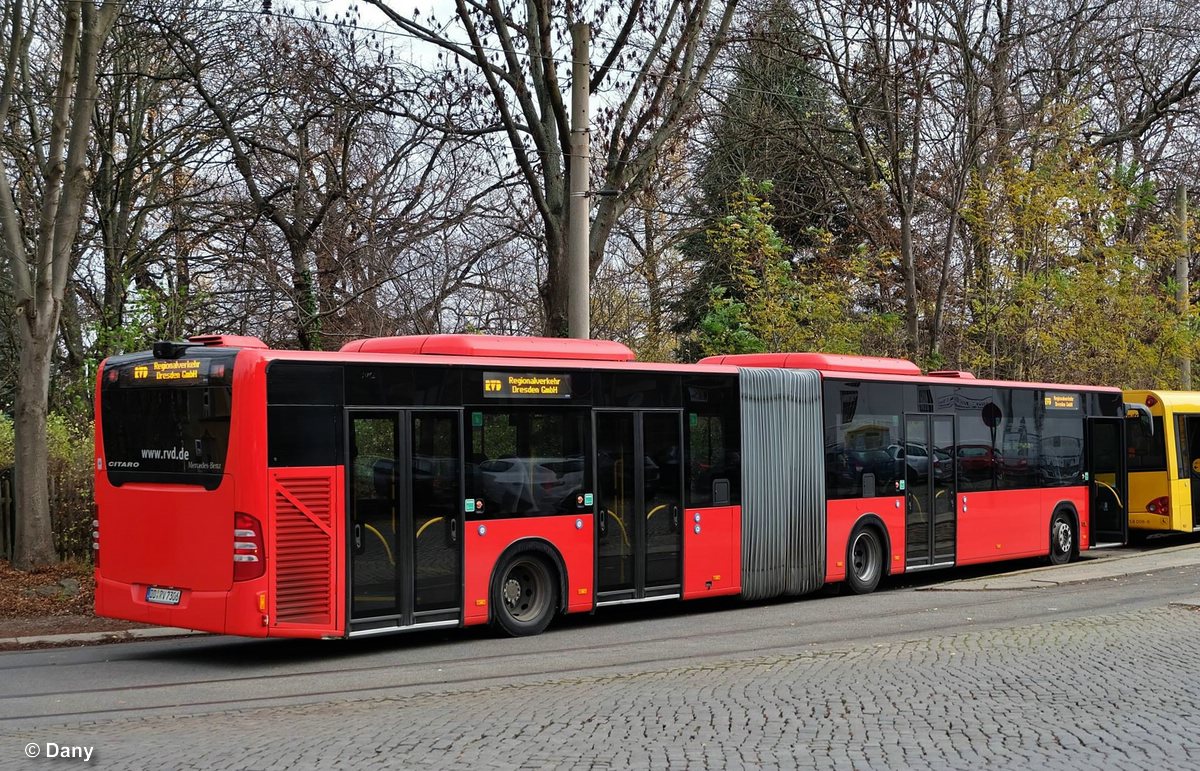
{"x":880,"y":69}
{"x":153,"y":139}
{"x":290,"y":100}
{"x":43,"y":189}
{"x":516,"y":55}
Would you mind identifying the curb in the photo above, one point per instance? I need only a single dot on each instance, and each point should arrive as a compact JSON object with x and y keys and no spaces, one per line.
{"x":124,"y":635}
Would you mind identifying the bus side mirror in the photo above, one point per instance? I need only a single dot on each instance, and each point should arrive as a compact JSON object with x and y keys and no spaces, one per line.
{"x":1140,"y":412}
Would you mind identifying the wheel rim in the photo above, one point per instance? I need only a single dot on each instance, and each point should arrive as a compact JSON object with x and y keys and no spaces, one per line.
{"x":864,"y":557}
{"x":1062,"y":536}
{"x":526,"y":591}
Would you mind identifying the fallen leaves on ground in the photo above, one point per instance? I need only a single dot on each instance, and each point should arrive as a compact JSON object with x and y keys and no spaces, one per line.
{"x":19,"y":597}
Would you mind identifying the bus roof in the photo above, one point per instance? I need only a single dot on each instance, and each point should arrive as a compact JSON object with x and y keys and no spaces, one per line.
{"x":877,"y":368}
{"x":498,"y":346}
{"x":1170,"y":400}
{"x":969,"y":382}
{"x":878,"y":365}
{"x":504,"y":362}
{"x":703,"y":367}
{"x":551,"y":353}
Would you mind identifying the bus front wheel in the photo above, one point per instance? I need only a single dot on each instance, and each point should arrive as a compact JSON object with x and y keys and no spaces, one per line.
{"x":524,"y":595}
{"x":864,"y":561}
{"x":1062,"y":538}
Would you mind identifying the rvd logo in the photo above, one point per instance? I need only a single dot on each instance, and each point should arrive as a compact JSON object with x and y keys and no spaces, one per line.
{"x":492,"y":386}
{"x":141,"y":372}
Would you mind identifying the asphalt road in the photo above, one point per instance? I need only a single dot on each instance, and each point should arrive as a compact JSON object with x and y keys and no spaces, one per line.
{"x":916,"y":676}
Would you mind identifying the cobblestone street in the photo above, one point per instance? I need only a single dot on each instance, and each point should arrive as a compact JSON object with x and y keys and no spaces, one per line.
{"x":1115,"y":691}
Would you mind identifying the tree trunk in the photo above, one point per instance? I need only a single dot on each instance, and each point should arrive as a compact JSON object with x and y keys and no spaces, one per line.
{"x":308,"y":320}
{"x":656,"y":301}
{"x":935,"y":329}
{"x":34,"y":537}
{"x":553,"y":291}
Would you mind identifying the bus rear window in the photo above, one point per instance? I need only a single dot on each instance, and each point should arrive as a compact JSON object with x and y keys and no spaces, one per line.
{"x":1146,"y":452}
{"x":171,"y":430}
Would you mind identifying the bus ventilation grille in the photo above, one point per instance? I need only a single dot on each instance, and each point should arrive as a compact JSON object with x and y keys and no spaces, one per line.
{"x":303,"y":549}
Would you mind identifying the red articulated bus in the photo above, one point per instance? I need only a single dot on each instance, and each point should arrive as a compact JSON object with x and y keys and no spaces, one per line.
{"x":451,"y":480}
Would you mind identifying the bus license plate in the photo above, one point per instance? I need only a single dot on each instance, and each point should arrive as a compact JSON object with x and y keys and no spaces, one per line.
{"x":163,"y":596}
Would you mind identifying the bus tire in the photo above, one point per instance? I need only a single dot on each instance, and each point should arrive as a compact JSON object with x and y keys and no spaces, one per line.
{"x":864,"y":560}
{"x":524,"y":594}
{"x":1062,"y":538}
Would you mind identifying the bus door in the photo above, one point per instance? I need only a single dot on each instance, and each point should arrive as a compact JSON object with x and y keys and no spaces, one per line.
{"x":930,"y":521}
{"x":405,"y":494}
{"x":1187,"y":445}
{"x":1107,"y":481}
{"x":639,"y":505}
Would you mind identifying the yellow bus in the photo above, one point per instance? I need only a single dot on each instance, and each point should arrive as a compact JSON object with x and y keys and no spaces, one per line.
{"x":1164,"y":463}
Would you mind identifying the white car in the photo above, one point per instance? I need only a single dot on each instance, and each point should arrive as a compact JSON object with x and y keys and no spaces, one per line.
{"x":916,"y":457}
{"x":531,"y":485}
{"x":913,"y":455}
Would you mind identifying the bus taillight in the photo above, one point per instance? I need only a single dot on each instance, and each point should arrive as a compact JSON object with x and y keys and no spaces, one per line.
{"x":1159,"y":505}
{"x":96,"y":543}
{"x":249,"y":556}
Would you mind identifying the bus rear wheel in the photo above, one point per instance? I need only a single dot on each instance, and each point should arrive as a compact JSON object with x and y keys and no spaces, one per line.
{"x":524,"y":595}
{"x":1062,"y":538}
{"x":864,"y":561}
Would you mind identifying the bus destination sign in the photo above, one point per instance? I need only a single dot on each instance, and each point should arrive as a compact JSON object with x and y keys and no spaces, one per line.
{"x":167,"y":372}
{"x":1061,"y":401}
{"x":526,"y":385}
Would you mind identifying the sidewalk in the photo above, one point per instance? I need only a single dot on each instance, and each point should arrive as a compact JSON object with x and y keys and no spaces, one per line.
{"x":92,"y":638}
{"x":1094,"y":565}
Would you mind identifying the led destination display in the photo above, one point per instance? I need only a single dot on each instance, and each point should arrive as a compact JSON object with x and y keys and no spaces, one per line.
{"x":169,"y":372}
{"x":526,"y":385}
{"x":1061,"y":401}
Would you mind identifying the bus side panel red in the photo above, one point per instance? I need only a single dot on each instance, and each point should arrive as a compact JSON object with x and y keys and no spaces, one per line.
{"x":712,"y":551}
{"x":840,"y":518}
{"x":995,"y":525}
{"x":486,"y":540}
{"x":1008,"y":524}
{"x":306,"y":556}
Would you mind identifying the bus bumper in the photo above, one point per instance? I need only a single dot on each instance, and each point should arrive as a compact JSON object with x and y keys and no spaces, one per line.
{"x":221,"y":612}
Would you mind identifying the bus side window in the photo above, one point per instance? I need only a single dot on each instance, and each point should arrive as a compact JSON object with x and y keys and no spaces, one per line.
{"x":864,"y":446}
{"x":712,"y":465}
{"x":1183,"y":448}
{"x":527,"y":463}
{"x":712,"y":440}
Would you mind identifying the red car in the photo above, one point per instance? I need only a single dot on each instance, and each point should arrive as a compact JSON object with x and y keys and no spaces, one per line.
{"x":976,"y":462}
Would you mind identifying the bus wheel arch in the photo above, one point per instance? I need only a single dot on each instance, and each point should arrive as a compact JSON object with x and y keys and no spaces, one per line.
{"x":1064,"y":534}
{"x":527,"y":588}
{"x":866,"y":554}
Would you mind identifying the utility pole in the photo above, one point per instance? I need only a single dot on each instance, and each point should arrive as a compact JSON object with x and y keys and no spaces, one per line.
{"x":1181,"y":277}
{"x":579,"y":213}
